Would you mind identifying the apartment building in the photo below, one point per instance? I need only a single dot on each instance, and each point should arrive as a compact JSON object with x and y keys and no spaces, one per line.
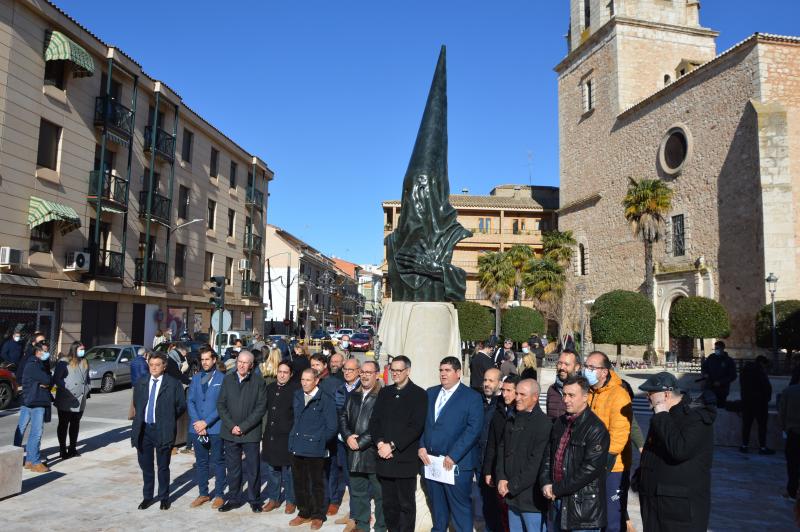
{"x":117,"y":200}
{"x":507,"y":216}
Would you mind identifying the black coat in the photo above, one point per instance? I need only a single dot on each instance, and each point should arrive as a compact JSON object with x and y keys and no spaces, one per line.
{"x":755,"y":385}
{"x":278,"y":424}
{"x":489,"y":408}
{"x":519,"y":457}
{"x":354,"y":419}
{"x":477,"y":367}
{"x":170,"y":405}
{"x":242,"y":404}
{"x":399,"y":416}
{"x":675,"y":473}
{"x":582,"y":489}
{"x":497,"y":425}
{"x":299,"y":364}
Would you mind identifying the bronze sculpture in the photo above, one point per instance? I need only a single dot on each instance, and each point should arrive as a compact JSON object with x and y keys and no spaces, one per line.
{"x":420,"y":249}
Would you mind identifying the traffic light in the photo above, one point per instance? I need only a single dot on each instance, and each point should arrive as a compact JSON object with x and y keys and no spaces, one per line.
{"x":217,"y":291}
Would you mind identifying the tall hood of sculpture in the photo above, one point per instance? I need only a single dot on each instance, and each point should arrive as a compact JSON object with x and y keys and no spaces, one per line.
{"x":420,"y":250}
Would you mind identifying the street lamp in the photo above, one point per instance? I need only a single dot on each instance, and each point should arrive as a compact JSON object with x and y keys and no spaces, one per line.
{"x":184,"y":224}
{"x":772,"y":286}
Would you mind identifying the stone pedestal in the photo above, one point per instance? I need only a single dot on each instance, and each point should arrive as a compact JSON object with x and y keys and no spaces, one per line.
{"x":10,"y":470}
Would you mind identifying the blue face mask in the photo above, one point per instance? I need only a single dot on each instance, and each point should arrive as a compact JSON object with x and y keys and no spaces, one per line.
{"x":591,"y":376}
{"x":45,"y":355}
{"x":81,"y":353}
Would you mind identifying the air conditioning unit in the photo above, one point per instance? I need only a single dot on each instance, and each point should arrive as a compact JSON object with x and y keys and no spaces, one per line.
{"x":10,"y":256}
{"x":244,"y":265}
{"x":77,"y":261}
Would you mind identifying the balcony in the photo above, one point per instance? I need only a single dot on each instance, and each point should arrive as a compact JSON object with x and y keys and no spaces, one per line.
{"x":165,"y":143}
{"x":252,"y":243}
{"x":156,"y":272}
{"x":113,"y":115}
{"x":251,"y":289}
{"x":255,"y":199}
{"x":159,"y":210}
{"x":107,"y":264}
{"x":113,"y":190}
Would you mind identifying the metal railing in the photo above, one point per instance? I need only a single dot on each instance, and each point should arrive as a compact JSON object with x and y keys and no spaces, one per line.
{"x":165,"y":142}
{"x":109,"y":264}
{"x":255,"y":198}
{"x":112,"y":188}
{"x":159,"y":207}
{"x":251,"y":289}
{"x":522,"y":232}
{"x":156,"y":272}
{"x":113,"y":114}
{"x":252,"y":243}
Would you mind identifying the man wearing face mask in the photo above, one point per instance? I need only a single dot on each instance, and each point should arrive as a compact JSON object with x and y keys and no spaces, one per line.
{"x":11,"y":352}
{"x":344,"y":346}
{"x":568,"y":365}
{"x":36,"y":382}
{"x":674,"y":477}
{"x":610,"y":402}
{"x":719,"y":371}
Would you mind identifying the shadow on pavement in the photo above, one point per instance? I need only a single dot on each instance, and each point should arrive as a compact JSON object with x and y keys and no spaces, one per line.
{"x":90,"y":444}
{"x":30,"y":484}
{"x":181,"y":484}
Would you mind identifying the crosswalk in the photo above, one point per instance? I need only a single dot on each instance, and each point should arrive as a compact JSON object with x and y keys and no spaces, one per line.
{"x":641,"y":405}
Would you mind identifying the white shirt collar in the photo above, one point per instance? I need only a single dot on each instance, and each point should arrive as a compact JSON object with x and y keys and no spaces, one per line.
{"x":313,"y":392}
{"x":451,"y":390}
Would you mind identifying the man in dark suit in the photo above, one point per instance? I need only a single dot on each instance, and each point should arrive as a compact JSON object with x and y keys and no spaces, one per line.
{"x":452,"y":428}
{"x":159,"y":401}
{"x":396,"y":425}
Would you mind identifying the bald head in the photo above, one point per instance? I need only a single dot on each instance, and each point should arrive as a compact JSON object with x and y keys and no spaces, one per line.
{"x":527,"y":395}
{"x":491,"y":382}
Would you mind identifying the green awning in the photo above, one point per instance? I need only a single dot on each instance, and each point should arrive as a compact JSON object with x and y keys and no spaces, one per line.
{"x":42,"y":211}
{"x":59,"y":47}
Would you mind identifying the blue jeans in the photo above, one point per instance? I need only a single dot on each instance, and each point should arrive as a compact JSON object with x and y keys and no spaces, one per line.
{"x":279,"y":477}
{"x":555,"y":526}
{"x":209,"y":456}
{"x":524,"y":521}
{"x":35,"y":437}
{"x":22,"y":425}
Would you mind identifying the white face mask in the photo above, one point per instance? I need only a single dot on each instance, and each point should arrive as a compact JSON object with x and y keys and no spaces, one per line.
{"x":345,"y":344}
{"x":17,"y":338}
{"x":525,"y":350}
{"x":326,"y":352}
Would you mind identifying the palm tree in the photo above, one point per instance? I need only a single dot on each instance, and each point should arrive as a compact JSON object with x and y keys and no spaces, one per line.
{"x":558,"y":245}
{"x":520,"y":256}
{"x":545,"y":279}
{"x":646,"y":204}
{"x":496,"y":279}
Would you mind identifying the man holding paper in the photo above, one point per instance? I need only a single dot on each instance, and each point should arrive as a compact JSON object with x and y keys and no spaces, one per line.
{"x":452,"y":428}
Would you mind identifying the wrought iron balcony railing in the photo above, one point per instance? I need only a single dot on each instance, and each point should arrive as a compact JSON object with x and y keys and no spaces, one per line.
{"x":111,"y":113}
{"x":255,"y":198}
{"x":113,"y":188}
{"x":252,"y":243}
{"x":165,"y":143}
{"x":251,"y":289}
{"x":108,"y":264}
{"x":159,"y":208}
{"x":156,"y":272}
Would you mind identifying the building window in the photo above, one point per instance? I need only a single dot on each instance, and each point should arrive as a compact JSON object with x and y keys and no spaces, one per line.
{"x":214,"y":164}
{"x":233,"y":174}
{"x":231,"y":221}
{"x":42,"y":238}
{"x":228,"y":271}
{"x":49,"y":139}
{"x":116,"y":87}
{"x":208,"y":269}
{"x":212,"y":212}
{"x":518,"y":226}
{"x":587,"y":13}
{"x":484,"y":225}
{"x":678,"y":236}
{"x":54,"y":74}
{"x":588,"y":95}
{"x":183,"y":202}
{"x":582,"y":260}
{"x":674,"y":151}
{"x":186,"y":149}
{"x":180,"y":260}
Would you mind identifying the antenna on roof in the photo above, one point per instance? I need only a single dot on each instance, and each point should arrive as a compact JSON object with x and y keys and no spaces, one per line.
{"x":530,"y":168}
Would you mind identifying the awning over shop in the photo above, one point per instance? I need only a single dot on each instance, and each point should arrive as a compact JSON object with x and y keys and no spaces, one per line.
{"x":59,"y":47}
{"x":42,"y":211}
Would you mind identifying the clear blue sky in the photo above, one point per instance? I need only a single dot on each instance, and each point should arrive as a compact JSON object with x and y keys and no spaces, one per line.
{"x":330,"y":93}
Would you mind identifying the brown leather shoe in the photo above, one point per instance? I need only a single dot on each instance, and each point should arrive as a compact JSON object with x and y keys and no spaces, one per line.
{"x":217,"y":503}
{"x":297,"y":521}
{"x":28,"y":465}
{"x":290,"y":508}
{"x":316,"y":524}
{"x":201,"y":500}
{"x":39,"y":468}
{"x":271,"y":505}
{"x":333,"y":509}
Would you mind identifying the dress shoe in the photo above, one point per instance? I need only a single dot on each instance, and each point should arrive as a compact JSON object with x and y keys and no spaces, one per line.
{"x":316,"y":524}
{"x":73,"y":453}
{"x":217,"y":503}
{"x":228,"y":506}
{"x":333,"y":509}
{"x":165,"y":505}
{"x":290,"y":508}
{"x":271,"y":505}
{"x":39,"y":468}
{"x":201,"y":500}
{"x":28,"y":465}
{"x":297,"y":521}
{"x":146,"y":503}
{"x":63,"y":454}
{"x":256,"y":508}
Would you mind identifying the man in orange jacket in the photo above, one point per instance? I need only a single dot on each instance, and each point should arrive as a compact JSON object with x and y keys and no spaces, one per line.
{"x":609,"y":401}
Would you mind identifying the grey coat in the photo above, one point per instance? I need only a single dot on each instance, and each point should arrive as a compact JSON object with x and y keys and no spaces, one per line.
{"x":72,"y":387}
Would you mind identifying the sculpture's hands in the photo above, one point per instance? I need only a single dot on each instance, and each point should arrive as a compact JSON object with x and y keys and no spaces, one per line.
{"x":420,"y":260}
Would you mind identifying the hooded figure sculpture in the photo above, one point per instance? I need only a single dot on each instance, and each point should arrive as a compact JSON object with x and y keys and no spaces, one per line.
{"x":420,"y":249}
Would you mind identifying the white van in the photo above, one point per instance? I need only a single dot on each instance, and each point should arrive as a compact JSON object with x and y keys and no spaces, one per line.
{"x":229,"y":337}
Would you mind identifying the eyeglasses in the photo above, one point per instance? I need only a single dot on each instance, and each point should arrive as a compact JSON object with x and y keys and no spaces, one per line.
{"x":350,"y":369}
{"x":397,"y":370}
{"x":367,"y":372}
{"x":593,"y":368}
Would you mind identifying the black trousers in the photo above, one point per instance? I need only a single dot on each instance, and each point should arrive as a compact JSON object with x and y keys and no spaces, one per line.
{"x":759,"y":414}
{"x":68,"y":422}
{"x":309,"y":486}
{"x":399,"y":503}
{"x":792,"y":462}
{"x":145,"y":450}
{"x":242,"y":469}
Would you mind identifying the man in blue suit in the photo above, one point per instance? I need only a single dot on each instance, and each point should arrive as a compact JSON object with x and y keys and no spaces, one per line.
{"x":452,"y":429}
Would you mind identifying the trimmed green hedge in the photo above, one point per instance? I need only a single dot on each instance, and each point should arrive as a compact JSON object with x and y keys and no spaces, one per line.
{"x":698,"y":317}
{"x":621,"y":317}
{"x":520,"y":323}
{"x":787,"y":319}
{"x":475,"y":322}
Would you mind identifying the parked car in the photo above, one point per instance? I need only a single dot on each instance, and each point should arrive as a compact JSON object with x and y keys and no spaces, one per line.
{"x":369,"y":329}
{"x":8,"y":388}
{"x":360,"y":342}
{"x":110,"y":365}
{"x":342,"y":332}
{"x":320,"y":334}
{"x":192,"y":354}
{"x":229,"y":337}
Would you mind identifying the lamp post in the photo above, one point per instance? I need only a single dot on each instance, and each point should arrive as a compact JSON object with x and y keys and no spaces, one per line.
{"x":772,"y":285}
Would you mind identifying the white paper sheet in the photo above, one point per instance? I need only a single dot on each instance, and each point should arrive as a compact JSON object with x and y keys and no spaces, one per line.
{"x":437,"y":472}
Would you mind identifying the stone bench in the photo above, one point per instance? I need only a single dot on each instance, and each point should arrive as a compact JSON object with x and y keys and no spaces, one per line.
{"x":10,"y":470}
{"x":728,"y":431}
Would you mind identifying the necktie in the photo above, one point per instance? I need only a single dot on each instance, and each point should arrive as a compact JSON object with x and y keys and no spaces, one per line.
{"x":151,"y":403}
{"x":439,"y":405}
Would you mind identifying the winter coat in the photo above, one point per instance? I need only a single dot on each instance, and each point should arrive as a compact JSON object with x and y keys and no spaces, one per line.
{"x":719,"y":368}
{"x":11,"y":352}
{"x":139,"y":369}
{"x":497,"y":424}
{"x":299,"y":364}
{"x":278,"y":424}
{"x":170,"y":405}
{"x":354,"y":419}
{"x":399,"y":417}
{"x":519,"y":457}
{"x":314,"y":426}
{"x":755,"y":385}
{"x":582,"y":489}
{"x":555,"y":402}
{"x":243,"y":404}
{"x":675,"y":473}
{"x":36,"y":382}
{"x":489,"y":408}
{"x":477,"y":367}
{"x":202,"y":401}
{"x":72,"y":386}
{"x":613,"y":406}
